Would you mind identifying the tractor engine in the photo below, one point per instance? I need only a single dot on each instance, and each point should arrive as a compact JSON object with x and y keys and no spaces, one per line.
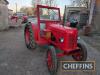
{"x":63,"y":37}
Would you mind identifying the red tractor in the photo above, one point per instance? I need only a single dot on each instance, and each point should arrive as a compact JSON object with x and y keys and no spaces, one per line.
{"x":48,"y":31}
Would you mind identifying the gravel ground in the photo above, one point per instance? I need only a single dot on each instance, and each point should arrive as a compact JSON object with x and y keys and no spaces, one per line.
{"x":93,"y":40}
{"x":16,"y":59}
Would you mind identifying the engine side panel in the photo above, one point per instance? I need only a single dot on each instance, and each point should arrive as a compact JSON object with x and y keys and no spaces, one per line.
{"x":67,"y":35}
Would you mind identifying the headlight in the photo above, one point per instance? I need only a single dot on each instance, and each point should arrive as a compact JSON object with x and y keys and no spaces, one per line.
{"x":61,"y":40}
{"x":78,"y":38}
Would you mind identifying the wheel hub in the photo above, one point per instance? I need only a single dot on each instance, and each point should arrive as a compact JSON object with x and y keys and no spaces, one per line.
{"x":49,"y":60}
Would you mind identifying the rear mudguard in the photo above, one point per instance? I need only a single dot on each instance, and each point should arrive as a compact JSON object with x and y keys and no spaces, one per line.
{"x":34,"y":29}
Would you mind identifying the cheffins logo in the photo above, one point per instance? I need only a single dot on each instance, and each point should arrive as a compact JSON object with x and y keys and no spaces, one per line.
{"x":78,"y":65}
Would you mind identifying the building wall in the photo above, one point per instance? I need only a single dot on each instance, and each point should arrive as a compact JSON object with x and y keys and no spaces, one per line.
{"x":10,"y":12}
{"x":3,"y":15}
{"x":98,"y":2}
{"x":96,"y":17}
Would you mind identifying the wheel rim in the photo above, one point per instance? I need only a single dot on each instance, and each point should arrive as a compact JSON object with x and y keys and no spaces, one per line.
{"x":78,"y":56}
{"x":50,"y":61}
{"x":27,"y":34}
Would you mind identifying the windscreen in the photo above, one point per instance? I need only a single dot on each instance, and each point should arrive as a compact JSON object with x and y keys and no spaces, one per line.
{"x":49,"y":14}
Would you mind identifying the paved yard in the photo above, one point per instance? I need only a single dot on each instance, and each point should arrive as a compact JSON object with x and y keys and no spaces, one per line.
{"x":16,"y":59}
{"x":93,"y":40}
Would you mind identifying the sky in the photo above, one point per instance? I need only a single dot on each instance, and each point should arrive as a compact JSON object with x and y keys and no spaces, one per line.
{"x":21,"y":3}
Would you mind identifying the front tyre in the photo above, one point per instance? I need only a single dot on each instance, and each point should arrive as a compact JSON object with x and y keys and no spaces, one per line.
{"x":82,"y":54}
{"x":52,"y":60}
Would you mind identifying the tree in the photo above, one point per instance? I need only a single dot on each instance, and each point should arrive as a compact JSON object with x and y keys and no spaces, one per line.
{"x":50,"y":2}
{"x":27,"y":10}
{"x":36,"y":2}
{"x":42,"y":2}
{"x":23,"y":9}
{"x":80,"y":3}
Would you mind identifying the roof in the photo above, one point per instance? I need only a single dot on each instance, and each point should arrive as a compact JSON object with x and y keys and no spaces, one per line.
{"x":76,"y":8}
{"x":10,"y":9}
{"x":6,"y":1}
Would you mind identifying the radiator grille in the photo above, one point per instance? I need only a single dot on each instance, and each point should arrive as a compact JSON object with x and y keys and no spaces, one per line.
{"x":72,"y":41}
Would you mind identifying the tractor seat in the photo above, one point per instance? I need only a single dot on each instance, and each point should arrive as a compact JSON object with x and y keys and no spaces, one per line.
{"x":42,"y":27}
{"x":44,"y":33}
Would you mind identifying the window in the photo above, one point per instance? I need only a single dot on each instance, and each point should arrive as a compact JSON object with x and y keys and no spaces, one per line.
{"x":49,"y":14}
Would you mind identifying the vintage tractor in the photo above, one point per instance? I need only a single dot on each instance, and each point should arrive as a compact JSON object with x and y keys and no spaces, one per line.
{"x":60,"y":40}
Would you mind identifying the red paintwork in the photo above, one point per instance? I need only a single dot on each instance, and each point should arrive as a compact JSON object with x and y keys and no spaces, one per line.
{"x":58,"y":31}
{"x":14,"y":18}
{"x":24,"y":18}
{"x":49,"y":60}
{"x":76,"y":52}
{"x":69,"y":35}
{"x":27,"y":35}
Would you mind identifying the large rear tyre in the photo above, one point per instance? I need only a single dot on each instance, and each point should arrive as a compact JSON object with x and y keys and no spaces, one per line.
{"x":52,"y":60}
{"x":82,"y":54}
{"x":29,"y":37}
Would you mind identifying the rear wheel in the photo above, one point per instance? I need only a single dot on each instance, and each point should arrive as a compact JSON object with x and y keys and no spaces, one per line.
{"x":29,"y":37}
{"x":52,"y":60}
{"x":82,"y":54}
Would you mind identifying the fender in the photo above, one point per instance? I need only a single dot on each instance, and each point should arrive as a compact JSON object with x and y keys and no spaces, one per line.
{"x":35,"y":30}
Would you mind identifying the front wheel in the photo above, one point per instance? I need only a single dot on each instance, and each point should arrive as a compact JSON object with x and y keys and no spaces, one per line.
{"x":52,"y":60}
{"x":82,"y":54}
